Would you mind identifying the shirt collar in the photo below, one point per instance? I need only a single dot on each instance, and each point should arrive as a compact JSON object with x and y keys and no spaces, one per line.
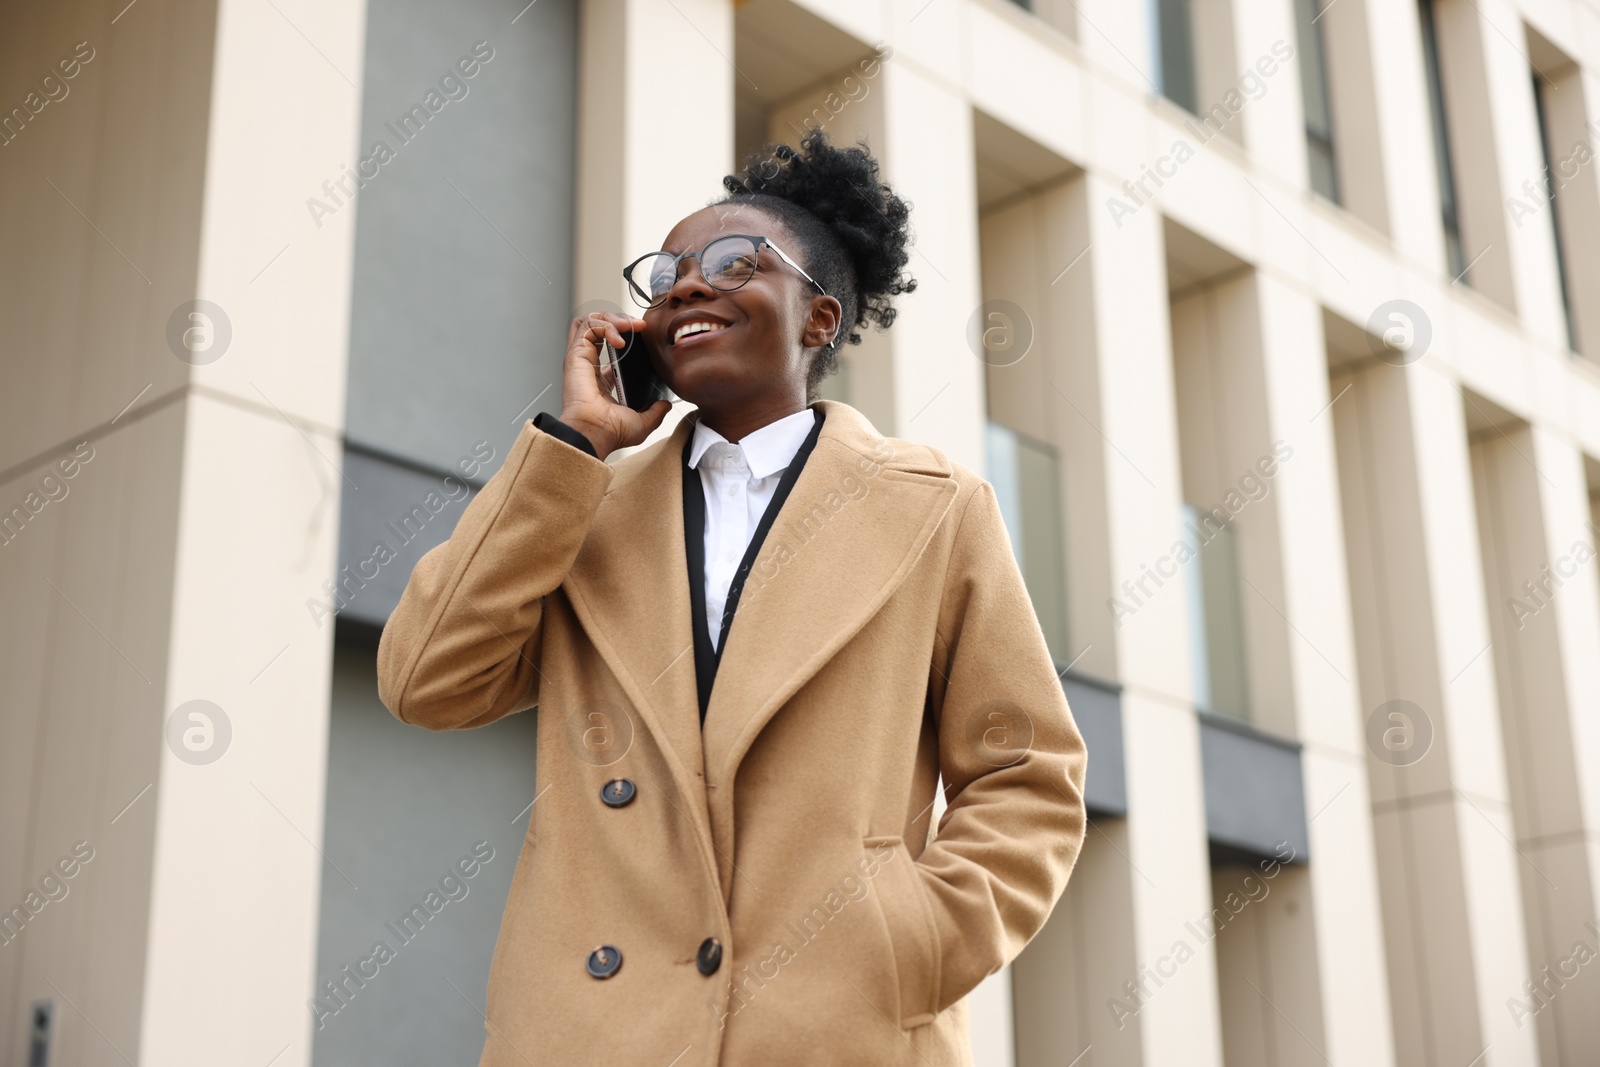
{"x":767,"y":450}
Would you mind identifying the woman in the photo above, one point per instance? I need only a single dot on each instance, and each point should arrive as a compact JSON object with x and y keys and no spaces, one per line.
{"x":748,"y":872}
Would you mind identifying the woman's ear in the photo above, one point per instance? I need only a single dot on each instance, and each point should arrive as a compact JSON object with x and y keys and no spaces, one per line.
{"x":823,"y":325}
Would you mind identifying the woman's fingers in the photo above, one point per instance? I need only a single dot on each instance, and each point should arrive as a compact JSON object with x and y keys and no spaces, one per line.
{"x":586,"y":389}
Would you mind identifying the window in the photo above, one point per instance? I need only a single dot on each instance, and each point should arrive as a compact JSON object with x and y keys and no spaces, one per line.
{"x":1026,"y":476}
{"x":1314,"y":94}
{"x":1216,"y":616}
{"x":1172,"y":41}
{"x":1443,"y":167}
{"x":1539,"y":103}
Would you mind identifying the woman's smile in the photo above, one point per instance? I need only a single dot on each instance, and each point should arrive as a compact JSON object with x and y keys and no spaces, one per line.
{"x":694,"y":330}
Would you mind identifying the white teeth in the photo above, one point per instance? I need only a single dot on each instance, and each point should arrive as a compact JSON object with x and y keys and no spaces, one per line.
{"x":695,"y":327}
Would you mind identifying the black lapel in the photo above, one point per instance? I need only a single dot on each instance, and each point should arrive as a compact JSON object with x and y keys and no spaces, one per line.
{"x":706,"y":659}
{"x":694,"y":544}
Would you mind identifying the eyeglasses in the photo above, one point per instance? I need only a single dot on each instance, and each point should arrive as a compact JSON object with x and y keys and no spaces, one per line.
{"x":726,"y":263}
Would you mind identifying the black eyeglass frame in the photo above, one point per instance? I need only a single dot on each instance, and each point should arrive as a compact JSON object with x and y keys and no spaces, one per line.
{"x":760,"y":242}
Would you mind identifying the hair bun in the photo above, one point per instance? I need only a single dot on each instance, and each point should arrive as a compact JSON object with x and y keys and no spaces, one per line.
{"x":854,"y":228}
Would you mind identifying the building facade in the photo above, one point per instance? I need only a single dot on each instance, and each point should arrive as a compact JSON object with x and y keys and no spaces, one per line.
{"x":1275,"y":324}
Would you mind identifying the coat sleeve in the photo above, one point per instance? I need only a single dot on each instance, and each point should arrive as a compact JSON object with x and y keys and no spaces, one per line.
{"x":462,"y":647}
{"x":1012,"y":759}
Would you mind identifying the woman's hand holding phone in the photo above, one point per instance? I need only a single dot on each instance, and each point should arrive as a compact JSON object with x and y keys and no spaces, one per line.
{"x":586,"y":405}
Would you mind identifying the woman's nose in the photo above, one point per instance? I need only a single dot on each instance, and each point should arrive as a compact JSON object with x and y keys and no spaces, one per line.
{"x":690,"y":281}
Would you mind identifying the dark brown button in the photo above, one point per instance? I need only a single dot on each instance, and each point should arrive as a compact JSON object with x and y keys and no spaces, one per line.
{"x":605,"y":961}
{"x":618,"y":792}
{"x":710,"y":956}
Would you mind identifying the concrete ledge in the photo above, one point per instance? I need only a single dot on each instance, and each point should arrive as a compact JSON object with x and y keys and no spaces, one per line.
{"x":1097,"y":707}
{"x":1254,"y":787}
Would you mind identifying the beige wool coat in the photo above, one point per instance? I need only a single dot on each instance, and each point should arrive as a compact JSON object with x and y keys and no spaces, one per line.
{"x":884,"y":636}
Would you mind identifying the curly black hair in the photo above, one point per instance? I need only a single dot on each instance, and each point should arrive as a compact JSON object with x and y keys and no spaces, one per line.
{"x":853,"y":230}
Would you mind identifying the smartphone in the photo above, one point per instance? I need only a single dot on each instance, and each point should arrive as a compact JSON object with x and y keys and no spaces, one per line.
{"x":628,"y":376}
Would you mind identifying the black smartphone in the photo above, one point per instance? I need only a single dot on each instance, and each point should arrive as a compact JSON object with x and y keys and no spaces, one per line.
{"x":629,"y":375}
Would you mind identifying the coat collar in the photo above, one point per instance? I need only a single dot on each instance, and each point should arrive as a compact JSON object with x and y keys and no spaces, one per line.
{"x":855,"y":523}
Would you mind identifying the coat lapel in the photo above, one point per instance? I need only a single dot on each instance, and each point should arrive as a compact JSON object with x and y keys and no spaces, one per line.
{"x":853,"y":526}
{"x":629,"y":587}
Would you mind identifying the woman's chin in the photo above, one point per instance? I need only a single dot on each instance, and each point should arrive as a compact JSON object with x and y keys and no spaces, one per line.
{"x":701,"y":380}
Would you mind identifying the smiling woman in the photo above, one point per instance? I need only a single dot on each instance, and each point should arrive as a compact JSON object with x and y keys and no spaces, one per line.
{"x":713,"y":764}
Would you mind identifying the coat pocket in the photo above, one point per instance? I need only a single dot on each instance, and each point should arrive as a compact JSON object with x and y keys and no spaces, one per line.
{"x":908,"y":927}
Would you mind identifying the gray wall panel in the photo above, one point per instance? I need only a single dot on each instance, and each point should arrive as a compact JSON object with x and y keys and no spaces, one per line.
{"x":461,"y":294}
{"x":406,"y":511}
{"x":463,"y":252}
{"x":403,"y":807}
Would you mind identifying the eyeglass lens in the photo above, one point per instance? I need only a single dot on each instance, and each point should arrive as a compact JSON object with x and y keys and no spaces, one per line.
{"x":726,"y":263}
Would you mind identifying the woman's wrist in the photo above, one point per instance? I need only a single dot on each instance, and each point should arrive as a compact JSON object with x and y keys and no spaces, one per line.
{"x":597,"y":435}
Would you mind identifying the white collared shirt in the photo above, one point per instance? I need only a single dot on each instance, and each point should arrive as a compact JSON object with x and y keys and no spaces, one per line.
{"x":739,"y":481}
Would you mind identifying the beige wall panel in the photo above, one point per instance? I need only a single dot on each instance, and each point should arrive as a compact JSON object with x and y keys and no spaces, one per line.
{"x":1347,"y":907}
{"x":1117,"y":42}
{"x":1123,"y":132}
{"x":85,"y":719}
{"x":1271,"y":1005}
{"x":290,"y":327}
{"x":1572,"y":102}
{"x":240,"y":836}
{"x":1073,"y":980}
{"x":1321,"y":668}
{"x":1430,"y":962}
{"x":1533,"y":520}
{"x":1352,"y":86}
{"x":1274,"y":125}
{"x":1405,"y":133}
{"x":1447,"y":866}
{"x":1028,"y":79}
{"x":1207,"y":194}
{"x":1570,"y":530}
{"x":1218,"y":358}
{"x":1180,"y":1022}
{"x":102,"y":200}
{"x":1070,"y":400}
{"x":1134,"y":414}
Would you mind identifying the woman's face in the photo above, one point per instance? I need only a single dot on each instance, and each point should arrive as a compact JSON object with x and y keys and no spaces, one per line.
{"x":769,"y":328}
